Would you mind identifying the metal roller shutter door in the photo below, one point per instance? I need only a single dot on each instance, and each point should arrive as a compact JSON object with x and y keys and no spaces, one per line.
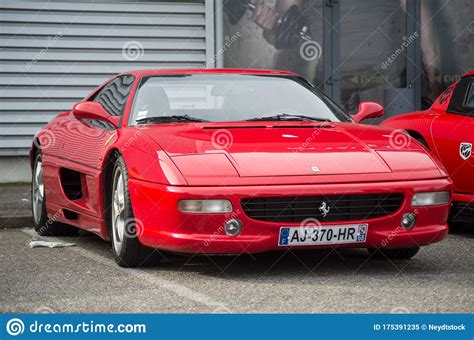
{"x":54,"y":53}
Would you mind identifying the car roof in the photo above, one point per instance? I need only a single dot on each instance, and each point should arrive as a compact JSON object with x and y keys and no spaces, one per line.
{"x":141,"y":73}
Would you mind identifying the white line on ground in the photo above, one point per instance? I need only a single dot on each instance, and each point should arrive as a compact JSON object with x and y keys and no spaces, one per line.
{"x":178,"y":289}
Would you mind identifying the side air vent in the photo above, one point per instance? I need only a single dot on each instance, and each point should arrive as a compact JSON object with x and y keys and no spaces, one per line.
{"x":70,"y":215}
{"x":71,"y":183}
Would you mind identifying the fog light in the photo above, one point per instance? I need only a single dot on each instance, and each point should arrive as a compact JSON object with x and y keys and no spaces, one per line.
{"x":233,"y":227}
{"x":423,"y":199}
{"x":408,"y":221}
{"x":205,"y":206}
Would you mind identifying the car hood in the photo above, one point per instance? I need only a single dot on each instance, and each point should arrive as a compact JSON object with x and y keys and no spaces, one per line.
{"x":285,"y":151}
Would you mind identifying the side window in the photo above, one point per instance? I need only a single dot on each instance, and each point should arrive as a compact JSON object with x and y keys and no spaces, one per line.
{"x":462,"y":100}
{"x":469,"y":101}
{"x":114,"y":95}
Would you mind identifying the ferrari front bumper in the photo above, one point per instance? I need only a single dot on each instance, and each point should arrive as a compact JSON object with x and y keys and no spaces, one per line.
{"x":161,"y":225}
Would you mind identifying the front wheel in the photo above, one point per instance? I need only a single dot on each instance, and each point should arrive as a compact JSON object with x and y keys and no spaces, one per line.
{"x":392,"y":254}
{"x":127,"y":249}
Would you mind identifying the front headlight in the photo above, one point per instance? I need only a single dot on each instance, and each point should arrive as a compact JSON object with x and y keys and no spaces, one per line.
{"x":423,"y":199}
{"x":205,"y":206}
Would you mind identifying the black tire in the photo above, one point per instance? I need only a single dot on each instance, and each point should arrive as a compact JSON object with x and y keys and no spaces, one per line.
{"x":394,"y":254}
{"x":422,"y":141}
{"x":131,"y":253}
{"x":45,"y":226}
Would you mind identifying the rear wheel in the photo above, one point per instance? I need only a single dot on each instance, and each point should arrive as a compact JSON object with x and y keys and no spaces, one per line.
{"x":398,"y":253}
{"x":44,"y":225}
{"x":420,"y":140}
{"x":127,"y":249}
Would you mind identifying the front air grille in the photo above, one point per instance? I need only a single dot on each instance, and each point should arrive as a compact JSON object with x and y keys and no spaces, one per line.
{"x":335,"y":207}
{"x":462,"y":212}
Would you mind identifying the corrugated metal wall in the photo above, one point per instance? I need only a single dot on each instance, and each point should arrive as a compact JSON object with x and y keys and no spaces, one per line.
{"x":54,"y":53}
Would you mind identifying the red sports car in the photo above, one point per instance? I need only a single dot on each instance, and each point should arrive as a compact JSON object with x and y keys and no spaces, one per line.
{"x":230,"y":162}
{"x":447,"y":129}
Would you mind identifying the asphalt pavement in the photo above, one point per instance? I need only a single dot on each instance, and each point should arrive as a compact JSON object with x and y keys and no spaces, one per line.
{"x":15,"y":205}
{"x":85,"y":279}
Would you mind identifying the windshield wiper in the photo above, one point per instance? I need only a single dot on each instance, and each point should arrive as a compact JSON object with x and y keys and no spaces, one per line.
{"x":168,"y":119}
{"x":285,"y":116}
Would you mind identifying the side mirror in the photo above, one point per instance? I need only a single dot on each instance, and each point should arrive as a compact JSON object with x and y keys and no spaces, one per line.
{"x":93,"y":110}
{"x":368,"y":110}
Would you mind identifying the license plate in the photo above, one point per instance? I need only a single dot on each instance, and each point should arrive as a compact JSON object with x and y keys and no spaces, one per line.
{"x":336,"y":234}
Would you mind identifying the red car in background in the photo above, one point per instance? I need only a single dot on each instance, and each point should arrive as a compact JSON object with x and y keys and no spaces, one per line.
{"x":447,"y":129}
{"x":231,"y":162}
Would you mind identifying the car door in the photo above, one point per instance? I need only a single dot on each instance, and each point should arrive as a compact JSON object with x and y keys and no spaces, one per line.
{"x":82,"y":147}
{"x":85,"y":140}
{"x":454,"y":136}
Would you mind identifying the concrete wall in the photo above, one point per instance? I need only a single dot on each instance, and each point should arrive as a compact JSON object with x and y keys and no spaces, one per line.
{"x":14,"y":169}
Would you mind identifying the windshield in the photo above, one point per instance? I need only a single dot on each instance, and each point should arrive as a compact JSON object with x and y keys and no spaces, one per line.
{"x":219,"y":98}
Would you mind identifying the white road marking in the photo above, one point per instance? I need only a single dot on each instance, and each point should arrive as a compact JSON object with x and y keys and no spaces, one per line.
{"x":178,"y":289}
